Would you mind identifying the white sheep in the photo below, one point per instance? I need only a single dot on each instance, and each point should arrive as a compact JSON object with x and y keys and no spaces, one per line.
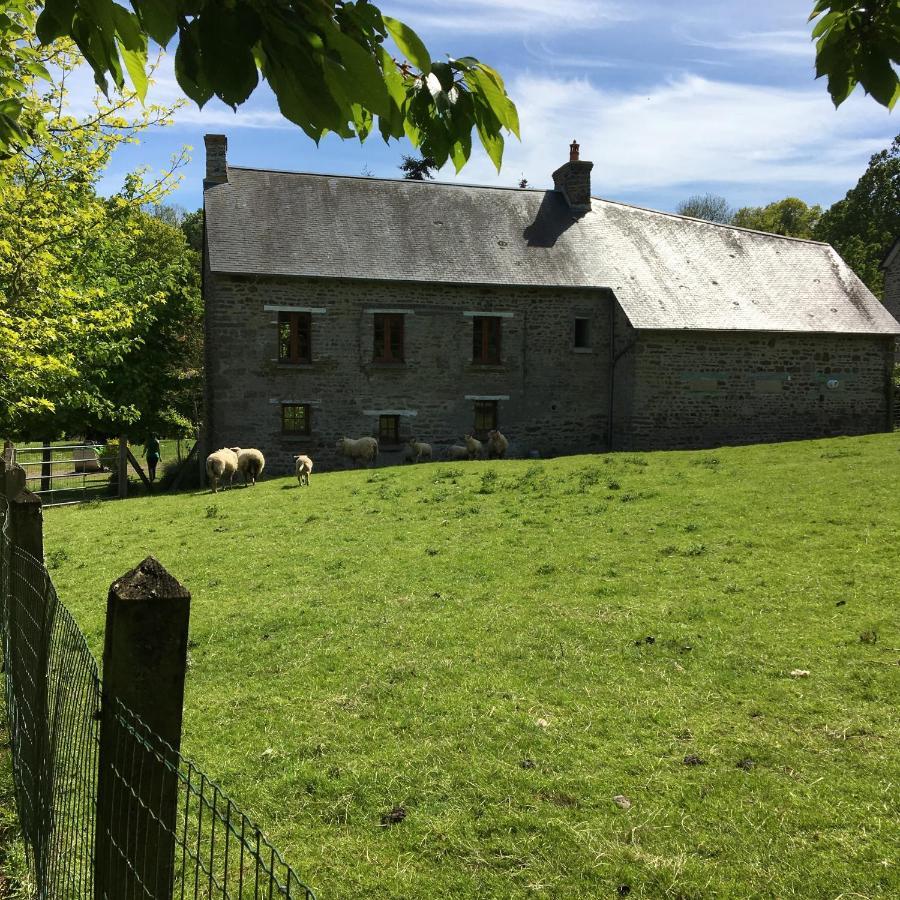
{"x":304,"y":467}
{"x":250,"y":463}
{"x":417,"y":451}
{"x":362,"y":450}
{"x":497,"y":445}
{"x":474,"y":447}
{"x":221,"y":465}
{"x":456,"y":452}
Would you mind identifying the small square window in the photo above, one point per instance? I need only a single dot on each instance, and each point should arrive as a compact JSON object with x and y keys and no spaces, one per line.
{"x":389,"y":429}
{"x":485,"y":416}
{"x":294,"y":337}
{"x":388,"y":338}
{"x":582,"y":333}
{"x":295,"y":418}
{"x":486,"y":339}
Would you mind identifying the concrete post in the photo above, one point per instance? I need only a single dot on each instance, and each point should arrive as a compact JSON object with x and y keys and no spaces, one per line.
{"x":144,"y":663}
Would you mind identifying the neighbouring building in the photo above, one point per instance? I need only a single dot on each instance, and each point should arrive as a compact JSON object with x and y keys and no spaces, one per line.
{"x":361,"y":306}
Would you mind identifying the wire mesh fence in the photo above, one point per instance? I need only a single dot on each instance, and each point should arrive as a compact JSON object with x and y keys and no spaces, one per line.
{"x":137,"y":821}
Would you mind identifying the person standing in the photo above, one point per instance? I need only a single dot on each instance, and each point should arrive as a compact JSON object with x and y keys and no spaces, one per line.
{"x":153,"y":454}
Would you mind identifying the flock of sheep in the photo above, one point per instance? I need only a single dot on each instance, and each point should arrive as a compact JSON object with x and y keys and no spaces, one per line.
{"x":229,"y":461}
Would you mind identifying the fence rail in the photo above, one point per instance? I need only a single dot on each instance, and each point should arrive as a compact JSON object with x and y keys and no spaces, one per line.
{"x":108,"y":809}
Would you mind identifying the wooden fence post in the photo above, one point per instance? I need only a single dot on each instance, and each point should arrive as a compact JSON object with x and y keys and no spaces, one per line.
{"x":123,"y":467}
{"x":46,"y":467}
{"x":144,"y":663}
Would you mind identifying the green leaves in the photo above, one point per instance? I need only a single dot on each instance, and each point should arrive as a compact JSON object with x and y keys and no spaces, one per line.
{"x":409,"y":43}
{"x":858,"y":42}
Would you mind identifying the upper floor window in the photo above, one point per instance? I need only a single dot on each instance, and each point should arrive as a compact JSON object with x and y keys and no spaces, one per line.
{"x":295,"y":418}
{"x":582,"y":334}
{"x":294,"y":337}
{"x":486,"y":339}
{"x":388,"y":337}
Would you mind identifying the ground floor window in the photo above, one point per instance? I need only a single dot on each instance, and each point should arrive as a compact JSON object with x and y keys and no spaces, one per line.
{"x":295,"y":418}
{"x":389,"y":429}
{"x":485,"y":416}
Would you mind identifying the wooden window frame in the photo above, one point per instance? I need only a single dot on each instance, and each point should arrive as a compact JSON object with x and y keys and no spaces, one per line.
{"x":482,"y":326}
{"x":389,"y":436}
{"x":391,"y":325}
{"x":293,"y":322}
{"x":285,"y":417}
{"x":481,"y":409}
{"x":585,"y":343}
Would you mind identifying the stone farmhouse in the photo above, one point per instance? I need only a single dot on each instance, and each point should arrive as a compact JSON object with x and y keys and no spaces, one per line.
{"x":361,"y":306}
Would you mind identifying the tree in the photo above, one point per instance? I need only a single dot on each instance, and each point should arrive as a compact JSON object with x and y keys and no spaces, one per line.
{"x":790,"y":217}
{"x":326,"y":62}
{"x":863,"y":225}
{"x":83,"y":279}
{"x":192,"y":227}
{"x":858,"y":42}
{"x":417,"y":168}
{"x":711,"y":207}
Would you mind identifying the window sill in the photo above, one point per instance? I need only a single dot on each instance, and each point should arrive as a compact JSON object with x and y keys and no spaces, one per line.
{"x":388,"y":364}
{"x":284,"y":364}
{"x":582,"y":349}
{"x":486,"y":367}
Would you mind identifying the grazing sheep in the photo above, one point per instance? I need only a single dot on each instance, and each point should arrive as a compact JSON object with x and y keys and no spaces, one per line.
{"x":497,"y":445}
{"x":474,"y":447}
{"x":457,"y":453}
{"x":221,"y":465}
{"x":417,"y":451}
{"x":362,"y":450}
{"x":250,"y":463}
{"x":304,"y":467}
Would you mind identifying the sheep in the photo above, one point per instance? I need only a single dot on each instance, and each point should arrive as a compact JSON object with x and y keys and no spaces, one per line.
{"x":219,"y":465}
{"x":361,"y":450}
{"x":416,"y":451}
{"x":497,"y":445}
{"x":474,"y":447}
{"x":456,"y":452}
{"x":250,"y":463}
{"x":304,"y":467}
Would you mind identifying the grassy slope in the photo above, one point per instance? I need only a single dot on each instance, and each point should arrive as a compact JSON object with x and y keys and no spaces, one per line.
{"x":410,"y":636}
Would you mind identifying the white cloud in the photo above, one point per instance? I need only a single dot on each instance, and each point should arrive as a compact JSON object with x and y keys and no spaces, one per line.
{"x":688,"y":130}
{"x":791,"y":43}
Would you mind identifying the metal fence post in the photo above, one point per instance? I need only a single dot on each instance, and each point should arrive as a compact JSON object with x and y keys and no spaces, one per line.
{"x":144,"y":663}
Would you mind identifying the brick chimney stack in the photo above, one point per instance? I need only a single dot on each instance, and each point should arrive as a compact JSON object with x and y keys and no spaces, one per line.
{"x":573,"y":180}
{"x":216,"y":161}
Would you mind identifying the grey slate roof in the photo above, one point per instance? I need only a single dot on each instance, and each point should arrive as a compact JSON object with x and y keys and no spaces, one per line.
{"x":666,"y":271}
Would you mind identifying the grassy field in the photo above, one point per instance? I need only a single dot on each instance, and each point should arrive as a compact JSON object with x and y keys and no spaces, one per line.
{"x":503,"y":648}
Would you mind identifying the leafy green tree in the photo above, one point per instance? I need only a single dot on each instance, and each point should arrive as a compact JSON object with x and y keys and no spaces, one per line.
{"x":417,"y":168}
{"x":78,"y":294}
{"x":711,"y":207}
{"x":791,"y":217}
{"x":333,"y":65}
{"x":863,"y":225}
{"x":858,"y":42}
{"x":192,"y":227}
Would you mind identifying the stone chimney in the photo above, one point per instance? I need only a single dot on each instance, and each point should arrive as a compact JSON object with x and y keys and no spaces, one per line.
{"x":573,"y":180}
{"x":216,"y":162}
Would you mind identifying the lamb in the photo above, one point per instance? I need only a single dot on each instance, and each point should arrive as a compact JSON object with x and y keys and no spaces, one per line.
{"x":456,"y":452}
{"x":417,"y":451}
{"x":219,"y":465}
{"x":250,"y":463}
{"x":361,"y":450}
{"x":304,"y":467}
{"x":474,"y":447}
{"x":497,"y":445}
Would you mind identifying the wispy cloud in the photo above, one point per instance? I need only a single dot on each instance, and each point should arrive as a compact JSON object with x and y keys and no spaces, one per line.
{"x":688,"y":130}
{"x":792,"y":43}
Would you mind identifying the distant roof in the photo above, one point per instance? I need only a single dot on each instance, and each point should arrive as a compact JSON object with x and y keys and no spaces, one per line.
{"x":667,"y":271}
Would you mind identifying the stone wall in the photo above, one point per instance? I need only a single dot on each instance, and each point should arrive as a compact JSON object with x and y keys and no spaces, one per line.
{"x":554,"y":397}
{"x":702,"y":389}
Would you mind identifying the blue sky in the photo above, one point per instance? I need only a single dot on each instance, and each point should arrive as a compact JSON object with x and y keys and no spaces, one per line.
{"x":667,"y":99}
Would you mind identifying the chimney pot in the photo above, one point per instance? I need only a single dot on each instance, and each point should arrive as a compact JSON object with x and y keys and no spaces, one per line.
{"x":216,"y":158}
{"x":573,"y":151}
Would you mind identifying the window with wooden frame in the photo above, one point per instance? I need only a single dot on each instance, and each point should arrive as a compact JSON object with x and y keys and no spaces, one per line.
{"x":486,"y":339}
{"x":582,"y":334}
{"x":485,"y":416}
{"x":294,"y":337}
{"x":388,"y":338}
{"x":389,"y":429}
{"x":295,"y":418}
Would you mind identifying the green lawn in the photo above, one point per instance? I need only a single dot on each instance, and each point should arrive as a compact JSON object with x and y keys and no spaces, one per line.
{"x":502,"y":648}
